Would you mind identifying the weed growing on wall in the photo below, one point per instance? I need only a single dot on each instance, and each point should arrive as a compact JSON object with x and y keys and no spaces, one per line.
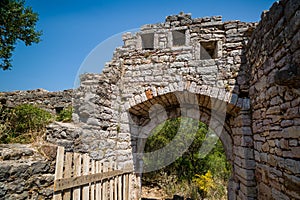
{"x":65,"y":115}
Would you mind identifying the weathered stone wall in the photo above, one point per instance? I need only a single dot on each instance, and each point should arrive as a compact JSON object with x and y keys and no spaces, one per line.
{"x":208,"y":63}
{"x":63,"y":134}
{"x":273,"y":54}
{"x":50,"y":101}
{"x":26,"y":172}
{"x":166,"y":68}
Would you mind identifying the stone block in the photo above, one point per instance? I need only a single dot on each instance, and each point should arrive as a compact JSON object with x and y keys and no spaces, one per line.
{"x":292,"y":165}
{"x":291,"y":132}
{"x":292,"y":185}
{"x":286,"y":123}
{"x":264,"y":191}
{"x":246,"y":174}
{"x":293,"y":142}
{"x":246,"y":164}
{"x":265,"y":147}
{"x":258,"y":137}
{"x":279,"y":195}
{"x":284,"y":144}
{"x":249,"y":191}
{"x":244,"y":152}
{"x":294,"y":152}
{"x":273,"y":110}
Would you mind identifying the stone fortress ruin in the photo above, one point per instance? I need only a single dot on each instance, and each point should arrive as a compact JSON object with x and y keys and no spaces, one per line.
{"x":241,"y":79}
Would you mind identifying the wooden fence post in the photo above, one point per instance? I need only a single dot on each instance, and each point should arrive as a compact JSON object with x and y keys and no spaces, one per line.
{"x":116,"y":184}
{"x":93,"y":171}
{"x":77,"y":172}
{"x":86,"y":169}
{"x":104,"y":185}
{"x":68,"y":173}
{"x":59,"y":169}
{"x":120,"y":187}
{"x":111,"y":183}
{"x":99,"y":183}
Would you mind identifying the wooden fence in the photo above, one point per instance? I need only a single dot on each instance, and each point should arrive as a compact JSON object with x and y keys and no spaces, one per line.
{"x":79,"y":177}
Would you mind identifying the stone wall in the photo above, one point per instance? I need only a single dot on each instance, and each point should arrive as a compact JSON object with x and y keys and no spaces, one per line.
{"x":170,"y":64}
{"x":273,"y":54}
{"x":260,"y":92}
{"x":50,"y":101}
{"x":165,"y":68}
{"x":26,"y":172}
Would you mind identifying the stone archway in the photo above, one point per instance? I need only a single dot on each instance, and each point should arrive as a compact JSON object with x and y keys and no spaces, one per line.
{"x":146,"y":115}
{"x":242,"y":71}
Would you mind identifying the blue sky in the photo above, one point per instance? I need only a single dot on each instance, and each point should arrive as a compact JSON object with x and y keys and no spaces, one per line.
{"x":73,"y":28}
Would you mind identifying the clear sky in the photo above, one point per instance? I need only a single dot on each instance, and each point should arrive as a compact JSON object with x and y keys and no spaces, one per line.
{"x":73,"y":28}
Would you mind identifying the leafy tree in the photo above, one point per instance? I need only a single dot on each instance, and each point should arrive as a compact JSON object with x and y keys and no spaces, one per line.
{"x":17,"y":22}
{"x":191,"y":168}
{"x":190,"y":163}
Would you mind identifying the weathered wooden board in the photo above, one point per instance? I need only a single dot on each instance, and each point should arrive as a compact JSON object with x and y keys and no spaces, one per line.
{"x":65,"y":183}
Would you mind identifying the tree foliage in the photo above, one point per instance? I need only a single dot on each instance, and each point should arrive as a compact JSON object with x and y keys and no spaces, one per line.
{"x":17,"y":22}
{"x":190,"y":168}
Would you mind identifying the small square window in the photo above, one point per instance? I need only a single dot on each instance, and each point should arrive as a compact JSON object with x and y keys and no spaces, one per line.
{"x":208,"y":50}
{"x":148,"y":41}
{"x":178,"y":37}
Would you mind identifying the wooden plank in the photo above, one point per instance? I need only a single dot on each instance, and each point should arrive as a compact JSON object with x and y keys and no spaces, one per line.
{"x":77,"y":173}
{"x":86,"y":169}
{"x":139,"y":189}
{"x":111,"y":183}
{"x":65,"y":183}
{"x":127,"y":187}
{"x":120,"y":197}
{"x":129,"y":184}
{"x":93,"y":171}
{"x":104,"y":184}
{"x":59,"y":169}
{"x":68,"y":172}
{"x":116,"y":184}
{"x":98,"y":184}
{"x":124,"y":187}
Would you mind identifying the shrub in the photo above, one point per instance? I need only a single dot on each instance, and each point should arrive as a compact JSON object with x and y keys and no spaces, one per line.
{"x":23,"y":123}
{"x":65,"y":115}
{"x":205,"y":183}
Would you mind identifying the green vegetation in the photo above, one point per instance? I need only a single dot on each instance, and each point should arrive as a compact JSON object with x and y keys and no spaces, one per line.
{"x":23,"y":124}
{"x":194,"y":176}
{"x":65,"y":115}
{"x":17,"y":23}
{"x":26,"y":122}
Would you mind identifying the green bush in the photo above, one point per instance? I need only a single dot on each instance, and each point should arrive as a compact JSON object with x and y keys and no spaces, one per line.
{"x":190,"y":165}
{"x":23,"y":123}
{"x":65,"y":115}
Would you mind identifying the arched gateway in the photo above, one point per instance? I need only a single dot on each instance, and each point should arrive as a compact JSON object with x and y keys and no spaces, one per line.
{"x":200,"y":68}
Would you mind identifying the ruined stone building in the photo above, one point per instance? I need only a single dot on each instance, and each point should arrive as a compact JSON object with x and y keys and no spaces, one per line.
{"x":241,"y":79}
